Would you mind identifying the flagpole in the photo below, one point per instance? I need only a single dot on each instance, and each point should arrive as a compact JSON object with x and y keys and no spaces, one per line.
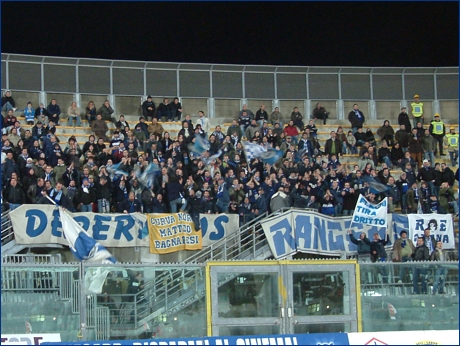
{"x":49,"y":198}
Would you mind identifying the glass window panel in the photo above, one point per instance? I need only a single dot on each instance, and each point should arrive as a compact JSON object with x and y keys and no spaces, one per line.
{"x":248,"y":295}
{"x":322,"y":328}
{"x":248,"y":330}
{"x":321,"y":293}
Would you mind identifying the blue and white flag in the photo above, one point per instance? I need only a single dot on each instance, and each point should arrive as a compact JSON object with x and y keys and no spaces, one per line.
{"x":200,"y":146}
{"x":147,"y":178}
{"x":115,"y":172}
{"x":375,"y":186}
{"x":371,"y":214}
{"x":253,"y":151}
{"x":82,"y":245}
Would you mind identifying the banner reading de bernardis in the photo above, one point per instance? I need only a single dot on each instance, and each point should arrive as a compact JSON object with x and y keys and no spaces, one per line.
{"x":440,"y":225}
{"x":172,"y":232}
{"x":311,"y":232}
{"x":216,"y":227}
{"x":41,"y":224}
{"x":370,"y":214}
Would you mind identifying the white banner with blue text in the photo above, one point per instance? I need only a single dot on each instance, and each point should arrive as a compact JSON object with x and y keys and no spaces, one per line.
{"x":370,"y":214}
{"x":41,"y":224}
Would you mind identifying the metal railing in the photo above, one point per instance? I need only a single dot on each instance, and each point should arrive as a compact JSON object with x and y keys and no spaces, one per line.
{"x":7,"y":228}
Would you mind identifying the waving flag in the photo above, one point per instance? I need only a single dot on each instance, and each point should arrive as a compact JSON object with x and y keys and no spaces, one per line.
{"x":147,"y":177}
{"x":115,"y":172}
{"x":200,"y":146}
{"x":253,"y":151}
{"x":375,"y":186}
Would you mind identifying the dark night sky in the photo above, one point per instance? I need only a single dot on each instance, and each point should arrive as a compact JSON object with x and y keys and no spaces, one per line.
{"x":274,"y":33}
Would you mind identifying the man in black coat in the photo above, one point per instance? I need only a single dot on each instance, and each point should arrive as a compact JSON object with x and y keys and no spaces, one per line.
{"x":356,"y":118}
{"x":148,"y":108}
{"x":130,"y":205}
{"x":403,"y":119}
{"x":421,"y":253}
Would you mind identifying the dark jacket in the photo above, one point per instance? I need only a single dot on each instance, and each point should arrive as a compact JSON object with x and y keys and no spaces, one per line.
{"x":426,"y":174}
{"x":421,"y":253}
{"x":328,"y":146}
{"x":403,"y":119}
{"x":354,"y":120}
{"x":379,"y":247}
{"x":402,"y":137}
{"x":127,"y":204}
{"x":364,"y":245}
{"x":145,"y":111}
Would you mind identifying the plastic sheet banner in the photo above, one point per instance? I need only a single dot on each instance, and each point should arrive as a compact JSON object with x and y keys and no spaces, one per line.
{"x":30,"y":339}
{"x":419,"y":337}
{"x":287,"y":339}
{"x":312,"y":232}
{"x":172,"y":232}
{"x":370,"y":214}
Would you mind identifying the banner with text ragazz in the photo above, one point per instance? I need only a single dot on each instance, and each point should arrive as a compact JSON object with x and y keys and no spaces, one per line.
{"x":172,"y":232}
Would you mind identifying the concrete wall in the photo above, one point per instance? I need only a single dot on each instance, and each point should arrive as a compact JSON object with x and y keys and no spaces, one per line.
{"x":193,"y":106}
{"x":127,"y":105}
{"x":287,"y":107}
{"x":227,"y":108}
{"x":449,"y":111}
{"x":388,"y":110}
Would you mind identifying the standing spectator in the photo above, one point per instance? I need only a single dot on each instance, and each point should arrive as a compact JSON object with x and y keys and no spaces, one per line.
{"x":378,"y":253}
{"x":204,"y":122}
{"x":393,"y":194}
{"x":130,"y":205}
{"x":403,"y":248}
{"x":403,"y":119}
{"x":333,"y":146}
{"x":451,"y":140}
{"x":297,"y":118}
{"x":417,"y":110}
{"x":276,"y":117}
{"x":421,"y":253}
{"x":100,"y":128}
{"x":447,"y":199}
{"x":123,"y":126}
{"x":148,"y":108}
{"x":279,"y":200}
{"x":291,"y":131}
{"x":252,"y":129}
{"x":439,"y":280}
{"x":438,"y":130}
{"x":8,"y":102}
{"x":244,"y":122}
{"x":402,"y":137}
{"x":29,"y":113}
{"x":176,"y":109}
{"x":426,"y":173}
{"x":164,"y":110}
{"x":234,"y":127}
{"x":91,"y":112}
{"x":106,"y":111}
{"x":386,"y":132}
{"x":430,"y":241}
{"x":223,"y":197}
{"x":429,"y":147}
{"x":74,"y":114}
{"x":14,"y":195}
{"x":356,"y":118}
{"x":415,"y":147}
{"x":175,"y":190}
{"x":364,"y":246}
{"x":86,"y":197}
{"x":54,"y":111}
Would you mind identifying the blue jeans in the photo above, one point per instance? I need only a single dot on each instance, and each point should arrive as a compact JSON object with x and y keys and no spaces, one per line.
{"x":387,"y":160}
{"x":103,"y":206}
{"x":360,"y":143}
{"x":417,"y":271}
{"x":354,"y":130}
{"x":86,"y":208}
{"x":7,"y":106}
{"x":439,"y":279}
{"x":338,"y":209}
{"x":429,"y":155}
{"x":416,"y":120}
{"x":344,"y":148}
{"x":404,"y":203}
{"x":14,"y":206}
{"x":453,"y":158}
{"x":76,"y":118}
{"x":166,"y":114}
{"x":173,"y":204}
{"x":222,"y":207}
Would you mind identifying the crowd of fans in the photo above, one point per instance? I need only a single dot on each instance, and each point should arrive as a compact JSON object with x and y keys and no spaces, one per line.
{"x":309,"y":175}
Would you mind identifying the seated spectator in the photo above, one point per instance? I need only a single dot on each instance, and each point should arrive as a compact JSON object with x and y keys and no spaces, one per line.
{"x":175,"y":110}
{"x":164,"y":110}
{"x":29,"y":113}
{"x":297,"y":118}
{"x":8,"y":102}
{"x":148,"y":108}
{"x":157,"y":129}
{"x":130,"y":205}
{"x":74,"y":114}
{"x":384,"y":154}
{"x":320,"y":113}
{"x":106,"y":112}
{"x":276,"y":117}
{"x":54,"y":111}
{"x":370,"y":137}
{"x":91,"y":113}
{"x":41,"y":112}
{"x":386,"y":133}
{"x":292,"y":131}
{"x":360,"y":137}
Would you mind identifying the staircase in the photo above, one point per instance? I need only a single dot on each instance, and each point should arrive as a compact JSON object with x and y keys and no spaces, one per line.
{"x":176,"y":290}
